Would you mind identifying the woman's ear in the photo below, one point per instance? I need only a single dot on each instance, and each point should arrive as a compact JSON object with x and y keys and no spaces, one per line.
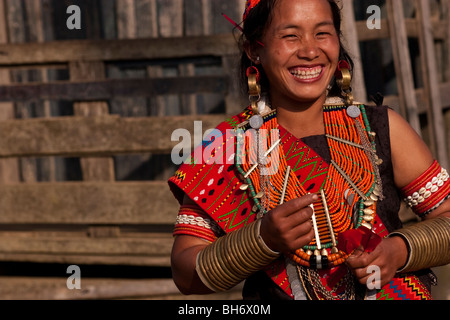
{"x":252,"y":52}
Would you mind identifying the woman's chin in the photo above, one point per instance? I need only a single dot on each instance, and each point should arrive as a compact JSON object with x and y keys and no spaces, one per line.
{"x":309,"y":97}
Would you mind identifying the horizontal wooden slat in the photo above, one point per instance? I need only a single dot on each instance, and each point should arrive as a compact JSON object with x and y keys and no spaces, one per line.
{"x":147,"y":49}
{"x":56,"y":288}
{"x":153,"y":249}
{"x":100,"y":259}
{"x":88,"y":203}
{"x":393,"y":101}
{"x":109,"y":89}
{"x":112,"y":135}
{"x":366,"y":34}
{"x":35,"y":288}
{"x":96,"y":136}
{"x":116,"y":50}
{"x":159,"y":245}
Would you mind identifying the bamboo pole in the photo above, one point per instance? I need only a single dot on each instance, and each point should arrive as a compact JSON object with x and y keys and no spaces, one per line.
{"x":431,"y":81}
{"x":352,"y":41}
{"x":403,"y":66}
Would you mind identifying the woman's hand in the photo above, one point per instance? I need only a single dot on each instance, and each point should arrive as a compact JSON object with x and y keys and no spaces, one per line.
{"x":388,"y":257}
{"x":289,"y":227}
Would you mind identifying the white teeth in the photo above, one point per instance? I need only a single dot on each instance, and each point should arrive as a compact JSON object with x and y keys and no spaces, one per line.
{"x":309,"y":74}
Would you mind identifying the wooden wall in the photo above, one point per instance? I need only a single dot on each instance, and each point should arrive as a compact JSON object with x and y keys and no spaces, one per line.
{"x":86,"y":118}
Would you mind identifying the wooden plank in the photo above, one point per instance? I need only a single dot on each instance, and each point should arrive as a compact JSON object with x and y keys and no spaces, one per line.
{"x":113,"y":135}
{"x":97,"y":136}
{"x":88,"y":203}
{"x":126,"y":21}
{"x":15,"y":20}
{"x":157,"y":104}
{"x":36,"y":288}
{"x":206,"y":17}
{"x":161,"y":48}
{"x":9,"y":168}
{"x":108,"y":19}
{"x":78,"y":248}
{"x":351,"y":37}
{"x":170,"y":24}
{"x":99,"y":259}
{"x":235,"y":100}
{"x":32,"y":288}
{"x":158,"y":246}
{"x":112,"y":88}
{"x":47,"y":20}
{"x":188,"y":102}
{"x":402,"y":62}
{"x":431,"y":82}
{"x":421,"y":98}
{"x":194,"y":25}
{"x":366,"y":34}
{"x":170,"y":18}
{"x":146,"y":15}
{"x":19,"y":33}
{"x":447,"y":125}
{"x":446,"y":9}
{"x":100,"y":168}
{"x":117,"y":50}
{"x":48,"y":166}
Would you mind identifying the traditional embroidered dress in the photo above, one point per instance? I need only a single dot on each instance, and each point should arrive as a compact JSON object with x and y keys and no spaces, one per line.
{"x":218,"y":182}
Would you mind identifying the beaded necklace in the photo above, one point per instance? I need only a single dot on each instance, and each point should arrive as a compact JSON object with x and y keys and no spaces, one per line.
{"x":352,"y":187}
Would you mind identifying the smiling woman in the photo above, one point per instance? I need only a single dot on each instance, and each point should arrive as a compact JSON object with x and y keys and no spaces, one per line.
{"x":300,"y":41}
{"x":324,"y":223}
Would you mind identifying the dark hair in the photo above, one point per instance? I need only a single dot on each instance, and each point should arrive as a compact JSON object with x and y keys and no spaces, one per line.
{"x":253,"y":30}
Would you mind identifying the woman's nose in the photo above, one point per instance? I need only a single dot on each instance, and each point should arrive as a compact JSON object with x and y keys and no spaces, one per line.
{"x":308,"y":49}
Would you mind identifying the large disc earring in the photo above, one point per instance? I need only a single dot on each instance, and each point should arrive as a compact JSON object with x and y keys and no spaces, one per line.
{"x":344,"y":81}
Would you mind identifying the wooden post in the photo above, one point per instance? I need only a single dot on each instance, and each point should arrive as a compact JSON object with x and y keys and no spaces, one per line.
{"x":17,"y":34}
{"x":140,"y":20}
{"x":206,"y":14}
{"x":126,"y":19}
{"x":402,"y":62}
{"x":170,"y":18}
{"x":94,"y":169}
{"x":34,"y":10}
{"x":446,"y":6}
{"x":9,"y":168}
{"x":235,"y":101}
{"x":146,"y":19}
{"x":431,"y":81}
{"x":446,"y":9}
{"x":352,"y":42}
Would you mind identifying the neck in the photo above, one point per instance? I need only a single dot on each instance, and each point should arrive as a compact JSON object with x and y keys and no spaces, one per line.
{"x":302,"y":119}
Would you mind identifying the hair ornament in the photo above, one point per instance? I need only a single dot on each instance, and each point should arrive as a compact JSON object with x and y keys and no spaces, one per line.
{"x":249,"y":5}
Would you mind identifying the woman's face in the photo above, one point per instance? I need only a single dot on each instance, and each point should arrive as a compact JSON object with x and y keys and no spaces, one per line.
{"x":301,"y":51}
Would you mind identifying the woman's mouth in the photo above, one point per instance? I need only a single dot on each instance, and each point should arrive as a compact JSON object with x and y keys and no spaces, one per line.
{"x":307,"y":73}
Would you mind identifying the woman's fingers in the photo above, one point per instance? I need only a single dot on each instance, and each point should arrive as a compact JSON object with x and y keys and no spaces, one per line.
{"x":288,"y":227}
{"x":296,"y":205}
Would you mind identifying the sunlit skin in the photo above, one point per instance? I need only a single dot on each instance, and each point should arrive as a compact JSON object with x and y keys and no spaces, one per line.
{"x":300,"y":56}
{"x":300,"y":40}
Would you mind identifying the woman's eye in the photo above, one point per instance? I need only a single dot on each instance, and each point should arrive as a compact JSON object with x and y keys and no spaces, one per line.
{"x":323,"y":35}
